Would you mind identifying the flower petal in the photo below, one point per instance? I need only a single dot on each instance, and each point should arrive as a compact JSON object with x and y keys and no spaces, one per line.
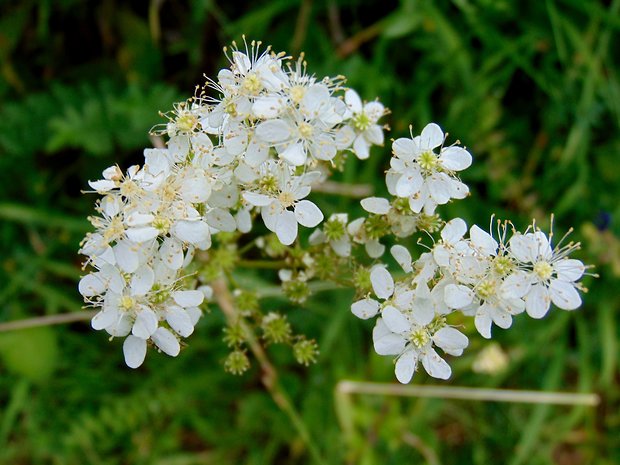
{"x":145,"y":324}
{"x":166,"y":342}
{"x":382,"y":282}
{"x":564,"y":295}
{"x":402,"y":257}
{"x":435,"y":365}
{"x":308,"y":214}
{"x":376,"y":205}
{"x":405,"y":366}
{"x":286,"y":227}
{"x":365,"y":308}
{"x":134,"y":350}
{"x":180,"y":321}
{"x":395,"y":320}
{"x":537,"y":301}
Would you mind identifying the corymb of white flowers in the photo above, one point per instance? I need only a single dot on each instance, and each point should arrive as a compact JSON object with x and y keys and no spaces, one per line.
{"x":240,"y":162}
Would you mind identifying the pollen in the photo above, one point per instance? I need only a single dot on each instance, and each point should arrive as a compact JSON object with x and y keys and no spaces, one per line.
{"x":126,"y":303}
{"x":305,"y":130}
{"x":297,"y":94}
{"x":419,"y":337}
{"x":252,"y":84}
{"x":486,"y":288}
{"x":428,"y":161}
{"x":502,"y":265}
{"x":286,"y":199}
{"x":186,"y":122}
{"x":544,"y":270}
{"x":361,"y":122}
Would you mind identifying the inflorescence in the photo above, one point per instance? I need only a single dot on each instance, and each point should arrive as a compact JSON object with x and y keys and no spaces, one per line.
{"x":249,"y":148}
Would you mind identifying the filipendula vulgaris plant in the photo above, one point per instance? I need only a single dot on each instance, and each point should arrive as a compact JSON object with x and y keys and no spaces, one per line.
{"x":249,"y":148}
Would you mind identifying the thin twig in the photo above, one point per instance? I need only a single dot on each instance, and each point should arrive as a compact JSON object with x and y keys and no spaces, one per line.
{"x":49,"y":320}
{"x":270,"y":375}
{"x":347,"y":190}
{"x":468,"y":393}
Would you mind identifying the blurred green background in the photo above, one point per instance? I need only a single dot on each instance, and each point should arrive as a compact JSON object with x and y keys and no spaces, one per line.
{"x":530,"y":87}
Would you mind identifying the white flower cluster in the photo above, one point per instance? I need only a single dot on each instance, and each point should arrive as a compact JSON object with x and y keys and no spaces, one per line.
{"x":257,"y":148}
{"x":478,"y":276}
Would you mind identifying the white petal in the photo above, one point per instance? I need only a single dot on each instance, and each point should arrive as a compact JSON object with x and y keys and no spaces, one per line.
{"x":126,"y":257}
{"x":409,"y":183}
{"x":374,"y":248}
{"x":431,"y":137}
{"x":569,"y":269}
{"x":171,"y":253}
{"x":435,"y":365}
{"x":145,"y":324}
{"x":138,"y":219}
{"x":295,"y":154}
{"x":537,"y":301}
{"x":221,"y":219}
{"x":395,"y":320}
{"x":361,"y":147}
{"x":188,"y":298}
{"x":267,"y":107}
{"x":405,"y":366}
{"x":273,"y":131}
{"x":385,"y":341}
{"x":195,"y":189}
{"x":382,"y":282}
{"x":353,"y":100}
{"x":142,"y":280}
{"x":451,"y":340}
{"x":365,"y":308}
{"x":483,"y":322}
{"x":104,"y":318}
{"x":458,"y":296}
{"x":439,"y":188}
{"x":402,"y":257}
{"x":134,"y":350}
{"x":483,"y":240}
{"x":308,"y":214}
{"x":91,"y":285}
{"x":244,"y":221}
{"x":404,"y":148}
{"x":166,"y":341}
{"x":179,"y":320}
{"x":516,"y":285}
{"x":256,"y":199}
{"x":142,"y":234}
{"x":193,"y":232}
{"x":564,"y":295}
{"x":455,"y":158}
{"x":121,"y":326}
{"x":256,"y":152}
{"x":376,"y":205}
{"x":454,"y":230}
{"x":522,"y":247}
{"x":286,"y":227}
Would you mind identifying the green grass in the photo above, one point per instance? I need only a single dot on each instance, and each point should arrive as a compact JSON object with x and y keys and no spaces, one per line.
{"x":531,"y":88}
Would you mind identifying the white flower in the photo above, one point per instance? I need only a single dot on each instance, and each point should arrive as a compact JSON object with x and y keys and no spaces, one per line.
{"x":397,"y":333}
{"x":427,"y":178}
{"x":366,"y":131}
{"x":286,"y":191}
{"x":545,"y":275}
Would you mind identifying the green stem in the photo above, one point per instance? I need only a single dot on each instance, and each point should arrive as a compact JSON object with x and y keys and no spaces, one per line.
{"x":270,"y":375}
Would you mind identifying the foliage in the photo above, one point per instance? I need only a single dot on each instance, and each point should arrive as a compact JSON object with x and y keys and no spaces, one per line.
{"x":530,"y":87}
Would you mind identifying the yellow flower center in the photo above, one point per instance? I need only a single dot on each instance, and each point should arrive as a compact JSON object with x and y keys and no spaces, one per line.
{"x":428,"y":161}
{"x":297,"y":94}
{"x":252,"y":84}
{"x":361,"y":122}
{"x":286,"y":199}
{"x":486,"y":288}
{"x":419,"y":337}
{"x":544,"y":270}
{"x":502,"y":265}
{"x":305,"y":130}
{"x":186,"y":122}
{"x":126,"y":303}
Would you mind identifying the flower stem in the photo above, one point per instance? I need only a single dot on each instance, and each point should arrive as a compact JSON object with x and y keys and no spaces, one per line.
{"x":269,"y":373}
